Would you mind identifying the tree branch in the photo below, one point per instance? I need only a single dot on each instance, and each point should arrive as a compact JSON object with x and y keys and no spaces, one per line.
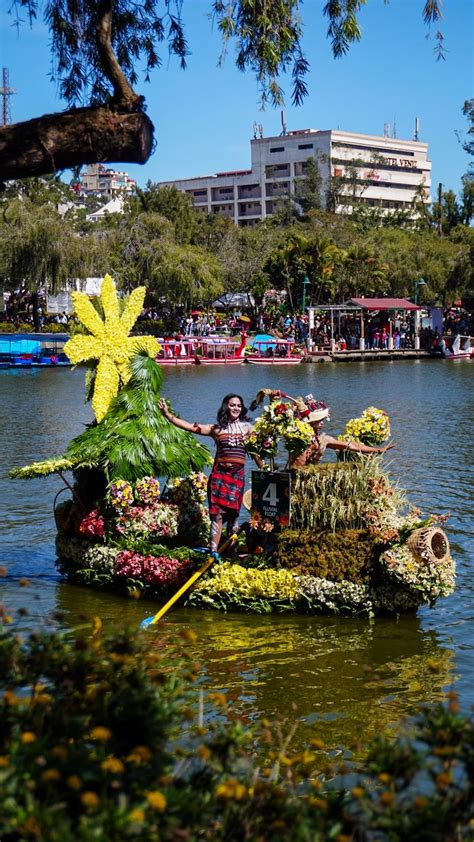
{"x":123,"y":91}
{"x":79,"y":136}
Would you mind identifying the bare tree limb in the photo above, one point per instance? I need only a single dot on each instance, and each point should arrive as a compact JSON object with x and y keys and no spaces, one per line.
{"x":79,"y":136}
{"x":123,"y":91}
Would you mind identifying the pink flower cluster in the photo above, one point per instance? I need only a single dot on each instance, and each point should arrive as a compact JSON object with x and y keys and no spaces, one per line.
{"x":157,"y":520}
{"x":158,"y":571}
{"x":92,"y":525}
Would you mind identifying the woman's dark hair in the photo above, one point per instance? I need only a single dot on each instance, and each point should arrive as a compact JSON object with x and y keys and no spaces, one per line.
{"x":223,"y":415}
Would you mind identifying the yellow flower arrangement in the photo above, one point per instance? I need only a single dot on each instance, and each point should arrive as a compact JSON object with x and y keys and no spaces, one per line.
{"x":235,"y":579}
{"x":372,"y":428}
{"x":108,"y":341}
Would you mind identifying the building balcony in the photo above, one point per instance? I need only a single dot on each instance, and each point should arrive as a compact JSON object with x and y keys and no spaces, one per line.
{"x":277,"y":190}
{"x":219,"y":194}
{"x":246,"y":212}
{"x":252,"y":192}
{"x":274,"y":171}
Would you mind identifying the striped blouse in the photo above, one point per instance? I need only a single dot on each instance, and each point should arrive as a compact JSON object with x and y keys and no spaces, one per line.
{"x":230,"y":441}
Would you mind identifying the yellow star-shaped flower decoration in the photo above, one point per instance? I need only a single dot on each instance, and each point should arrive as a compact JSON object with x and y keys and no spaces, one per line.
{"x":108,"y":341}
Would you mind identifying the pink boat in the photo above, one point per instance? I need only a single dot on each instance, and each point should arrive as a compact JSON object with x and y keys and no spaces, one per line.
{"x":179,"y":351}
{"x":219,"y":350}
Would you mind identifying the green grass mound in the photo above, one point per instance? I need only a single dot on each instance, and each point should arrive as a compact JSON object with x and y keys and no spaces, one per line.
{"x":351,"y":554}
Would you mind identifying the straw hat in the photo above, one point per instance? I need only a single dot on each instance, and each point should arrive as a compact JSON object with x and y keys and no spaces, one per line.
{"x":247,"y":499}
{"x":317,"y":415}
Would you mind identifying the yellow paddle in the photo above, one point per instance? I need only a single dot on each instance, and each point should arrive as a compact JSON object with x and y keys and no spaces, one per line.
{"x":150,"y":621}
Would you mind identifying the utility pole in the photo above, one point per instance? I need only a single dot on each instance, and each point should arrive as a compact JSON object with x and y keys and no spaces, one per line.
{"x":440,"y":199}
{"x":5,"y":93}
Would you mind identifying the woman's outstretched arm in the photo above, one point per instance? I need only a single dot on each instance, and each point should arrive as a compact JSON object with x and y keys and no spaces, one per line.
{"x":355,"y":446}
{"x":200,"y":429}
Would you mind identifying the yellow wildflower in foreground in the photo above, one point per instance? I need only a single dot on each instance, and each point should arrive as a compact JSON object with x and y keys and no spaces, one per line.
{"x":156,"y":800}
{"x":139,"y":754}
{"x":112,"y":764}
{"x":101,"y":734}
{"x":235,"y":579}
{"x":108,"y":341}
{"x":50,"y":775}
{"x":231,"y":790}
{"x":28,"y":737}
{"x":90,"y":799}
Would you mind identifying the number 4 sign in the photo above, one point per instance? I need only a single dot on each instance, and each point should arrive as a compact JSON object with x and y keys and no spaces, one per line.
{"x":271,"y":496}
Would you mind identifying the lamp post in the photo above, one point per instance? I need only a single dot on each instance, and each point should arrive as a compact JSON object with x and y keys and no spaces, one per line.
{"x":419,"y":283}
{"x":306,"y":281}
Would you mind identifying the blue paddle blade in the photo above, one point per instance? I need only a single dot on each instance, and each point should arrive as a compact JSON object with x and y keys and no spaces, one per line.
{"x":146,"y":622}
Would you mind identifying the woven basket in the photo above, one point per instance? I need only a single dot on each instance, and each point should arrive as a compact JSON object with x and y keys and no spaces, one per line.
{"x":429,"y":542}
{"x":247,"y":499}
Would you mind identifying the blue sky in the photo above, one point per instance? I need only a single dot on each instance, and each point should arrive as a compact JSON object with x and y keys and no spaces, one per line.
{"x":204,"y":116}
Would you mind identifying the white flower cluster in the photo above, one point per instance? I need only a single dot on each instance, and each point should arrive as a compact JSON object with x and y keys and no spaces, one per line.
{"x":77,"y":554}
{"x":342,"y":596}
{"x":429,"y":578}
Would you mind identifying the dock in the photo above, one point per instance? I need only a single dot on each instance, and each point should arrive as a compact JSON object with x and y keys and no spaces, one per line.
{"x":368,"y":355}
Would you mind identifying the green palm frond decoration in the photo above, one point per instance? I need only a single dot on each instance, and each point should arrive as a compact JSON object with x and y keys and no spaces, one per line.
{"x":134,"y":439}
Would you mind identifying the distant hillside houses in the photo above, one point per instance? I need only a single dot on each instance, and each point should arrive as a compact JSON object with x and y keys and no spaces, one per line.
{"x":98,"y":180}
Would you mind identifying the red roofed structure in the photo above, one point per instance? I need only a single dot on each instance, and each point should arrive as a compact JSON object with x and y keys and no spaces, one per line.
{"x":360,"y":308}
{"x":384,"y":304}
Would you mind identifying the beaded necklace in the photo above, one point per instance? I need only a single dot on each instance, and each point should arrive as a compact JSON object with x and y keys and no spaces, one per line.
{"x":235,"y":432}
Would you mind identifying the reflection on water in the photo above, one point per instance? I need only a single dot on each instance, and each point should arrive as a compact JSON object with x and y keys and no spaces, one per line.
{"x":332,"y":674}
{"x":343,"y":675}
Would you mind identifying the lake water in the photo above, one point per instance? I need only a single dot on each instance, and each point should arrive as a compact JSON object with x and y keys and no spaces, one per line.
{"x":343,"y":678}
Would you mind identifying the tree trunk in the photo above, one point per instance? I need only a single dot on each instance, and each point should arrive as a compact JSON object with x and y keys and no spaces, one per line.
{"x":80,"y":136}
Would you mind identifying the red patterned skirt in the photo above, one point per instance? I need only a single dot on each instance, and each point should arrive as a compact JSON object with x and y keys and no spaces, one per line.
{"x":225,"y":488}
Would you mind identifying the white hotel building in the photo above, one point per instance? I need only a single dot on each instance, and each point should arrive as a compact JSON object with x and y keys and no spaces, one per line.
{"x":391,"y":174}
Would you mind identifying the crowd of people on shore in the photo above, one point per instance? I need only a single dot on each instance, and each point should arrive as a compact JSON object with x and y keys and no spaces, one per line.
{"x":343,"y":333}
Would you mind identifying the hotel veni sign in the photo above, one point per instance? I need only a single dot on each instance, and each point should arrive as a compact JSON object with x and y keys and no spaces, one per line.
{"x":408,"y":163}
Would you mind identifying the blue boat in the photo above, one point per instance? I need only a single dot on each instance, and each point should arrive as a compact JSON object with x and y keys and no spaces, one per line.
{"x":33,"y":350}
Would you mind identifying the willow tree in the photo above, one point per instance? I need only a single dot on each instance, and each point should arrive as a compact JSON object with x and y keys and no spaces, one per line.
{"x":39,"y":247}
{"x":98,"y":44}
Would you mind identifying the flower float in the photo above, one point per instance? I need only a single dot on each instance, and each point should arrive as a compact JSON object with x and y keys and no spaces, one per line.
{"x":349,"y":545}
{"x":108,"y":341}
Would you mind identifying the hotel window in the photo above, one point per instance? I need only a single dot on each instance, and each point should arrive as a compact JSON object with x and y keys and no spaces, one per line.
{"x":277,"y":148}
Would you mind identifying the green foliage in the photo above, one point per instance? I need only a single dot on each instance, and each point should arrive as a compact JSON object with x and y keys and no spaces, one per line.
{"x":155,"y":327}
{"x":88,"y":722}
{"x":308,"y":189}
{"x":350,"y":554}
{"x":173,"y":205}
{"x":133,"y":440}
{"x":8,"y":327}
{"x":38,"y":247}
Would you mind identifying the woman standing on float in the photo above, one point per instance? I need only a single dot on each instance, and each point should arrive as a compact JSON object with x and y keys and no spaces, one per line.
{"x":226,"y":483}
